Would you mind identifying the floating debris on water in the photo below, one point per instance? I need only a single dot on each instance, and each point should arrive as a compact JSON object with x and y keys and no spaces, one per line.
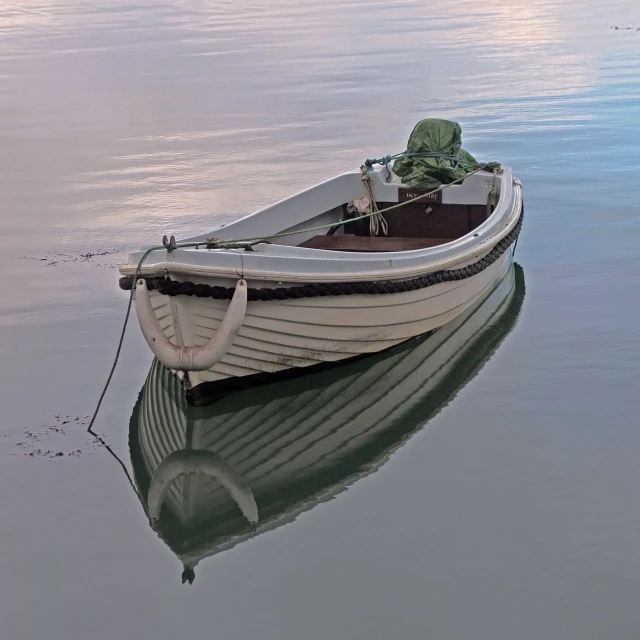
{"x":45,"y":441}
{"x":56,"y":258}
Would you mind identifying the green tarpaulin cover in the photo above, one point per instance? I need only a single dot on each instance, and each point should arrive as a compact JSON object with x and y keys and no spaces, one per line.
{"x":439,"y":137}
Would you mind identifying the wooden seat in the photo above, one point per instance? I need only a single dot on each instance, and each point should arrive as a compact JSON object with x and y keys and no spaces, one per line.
{"x":365,"y":243}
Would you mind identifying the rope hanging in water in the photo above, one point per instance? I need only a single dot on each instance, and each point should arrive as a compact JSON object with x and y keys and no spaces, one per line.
{"x":119,"y":348}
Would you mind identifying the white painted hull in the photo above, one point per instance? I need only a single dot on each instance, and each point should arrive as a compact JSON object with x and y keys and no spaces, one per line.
{"x":300,"y":333}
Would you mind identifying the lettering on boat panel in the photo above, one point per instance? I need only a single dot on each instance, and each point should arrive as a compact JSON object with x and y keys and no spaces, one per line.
{"x":487,"y":182}
{"x":409,"y":193}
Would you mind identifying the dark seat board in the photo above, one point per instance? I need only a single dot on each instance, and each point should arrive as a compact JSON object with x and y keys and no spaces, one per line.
{"x":367,"y":244}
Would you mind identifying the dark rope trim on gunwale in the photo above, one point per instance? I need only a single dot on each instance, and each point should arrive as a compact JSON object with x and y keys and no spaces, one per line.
{"x":165,"y":286}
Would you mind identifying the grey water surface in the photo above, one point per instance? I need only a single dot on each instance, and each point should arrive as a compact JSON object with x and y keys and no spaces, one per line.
{"x":513,"y":509}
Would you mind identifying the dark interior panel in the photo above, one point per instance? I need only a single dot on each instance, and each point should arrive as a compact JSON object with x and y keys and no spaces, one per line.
{"x":414,"y":226}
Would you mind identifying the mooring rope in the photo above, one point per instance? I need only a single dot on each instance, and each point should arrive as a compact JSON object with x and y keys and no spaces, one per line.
{"x":124,"y":329}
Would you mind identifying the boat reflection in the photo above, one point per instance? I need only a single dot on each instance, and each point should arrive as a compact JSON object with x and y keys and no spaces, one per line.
{"x":211,"y":477}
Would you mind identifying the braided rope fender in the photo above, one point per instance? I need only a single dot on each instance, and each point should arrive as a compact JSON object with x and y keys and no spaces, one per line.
{"x":165,"y":286}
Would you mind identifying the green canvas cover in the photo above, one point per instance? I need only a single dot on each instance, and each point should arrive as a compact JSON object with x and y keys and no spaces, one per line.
{"x":436,"y":136}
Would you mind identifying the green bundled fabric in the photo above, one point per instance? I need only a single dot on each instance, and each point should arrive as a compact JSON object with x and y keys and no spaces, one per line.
{"x":443,"y":139}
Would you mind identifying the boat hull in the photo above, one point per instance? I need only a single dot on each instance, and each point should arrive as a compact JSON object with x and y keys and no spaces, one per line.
{"x":295,"y":334}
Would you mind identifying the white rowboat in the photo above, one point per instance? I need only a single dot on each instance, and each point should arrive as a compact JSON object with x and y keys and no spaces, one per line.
{"x":321,"y":295}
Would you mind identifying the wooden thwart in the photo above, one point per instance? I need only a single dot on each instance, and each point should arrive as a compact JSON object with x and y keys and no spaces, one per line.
{"x":365,"y":243}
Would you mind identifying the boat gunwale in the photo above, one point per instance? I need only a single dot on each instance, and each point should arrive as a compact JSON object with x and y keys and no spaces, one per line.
{"x":391,"y":272}
{"x":270,"y":264}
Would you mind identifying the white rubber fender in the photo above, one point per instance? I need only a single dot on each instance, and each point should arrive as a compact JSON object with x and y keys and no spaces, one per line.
{"x":181,"y":358}
{"x":195,"y":461}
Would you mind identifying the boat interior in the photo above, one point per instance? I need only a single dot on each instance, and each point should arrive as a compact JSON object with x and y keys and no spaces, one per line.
{"x":417,"y":219}
{"x":420,"y":222}
{"x":413,"y":226}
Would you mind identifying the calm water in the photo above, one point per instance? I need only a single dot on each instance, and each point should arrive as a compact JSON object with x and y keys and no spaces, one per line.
{"x":502,"y":506}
